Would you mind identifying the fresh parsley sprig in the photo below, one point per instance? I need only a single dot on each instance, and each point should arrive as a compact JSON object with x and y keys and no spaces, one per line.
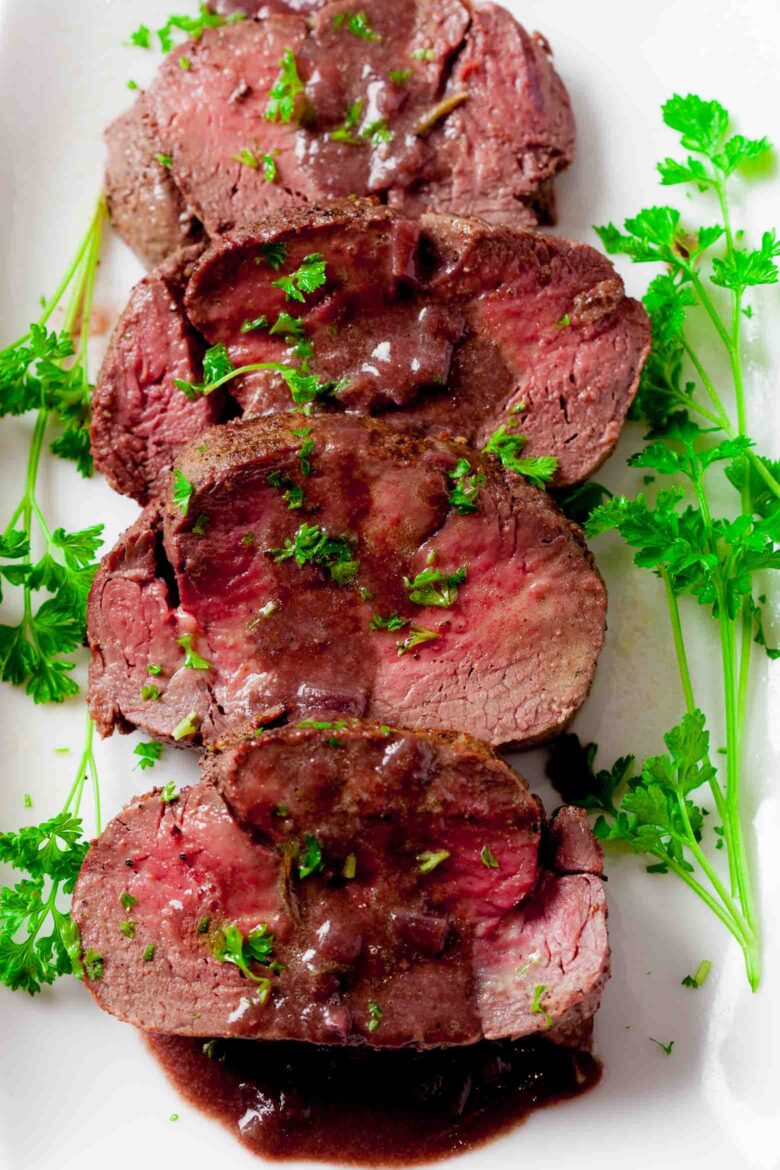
{"x":676,"y":535}
{"x":47,"y":372}
{"x":38,"y":939}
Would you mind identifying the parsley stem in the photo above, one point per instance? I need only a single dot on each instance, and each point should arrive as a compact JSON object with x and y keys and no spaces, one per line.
{"x":707,"y":383}
{"x":679,"y":642}
{"x":732,"y":925}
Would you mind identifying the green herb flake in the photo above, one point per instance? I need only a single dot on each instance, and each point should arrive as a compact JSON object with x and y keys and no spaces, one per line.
{"x":667,"y":1048}
{"x":310,"y":859}
{"x":430,"y":859}
{"x":165,"y":160}
{"x":192,"y":660}
{"x":168,"y":794}
{"x":399,"y":76}
{"x":306,"y":279}
{"x":185,"y":64}
{"x":375,"y":1015}
{"x":538,"y":469}
{"x":127,"y":928}
{"x":247,"y":158}
{"x":148,"y":954}
{"x":187,"y":727}
{"x":700,"y":977}
{"x":536,"y":1005}
{"x":349,"y":868}
{"x":150,"y":693}
{"x":93,"y":965}
{"x":127,"y":901}
{"x":203,"y":924}
{"x":357,"y":24}
{"x":182,"y":491}
{"x":28,"y":803}
{"x":393,"y":621}
{"x":283,"y":95}
{"x":154,"y":668}
{"x":148,"y":754}
{"x":488,"y":858}
{"x":433,"y":587}
{"x":418,"y":636}
{"x":250,"y":325}
{"x":465,"y":494}
{"x":200,"y":525}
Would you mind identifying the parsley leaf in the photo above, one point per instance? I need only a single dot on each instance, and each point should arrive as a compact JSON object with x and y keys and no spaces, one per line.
{"x":306,"y":279}
{"x":283,"y":94}
{"x":148,"y":754}
{"x":465,"y":494}
{"x":312,"y":545}
{"x":357,"y":24}
{"x":538,"y":470}
{"x":433,"y":587}
{"x":417,"y":636}
{"x":429,"y":859}
{"x":310,"y":859}
{"x":182,"y":491}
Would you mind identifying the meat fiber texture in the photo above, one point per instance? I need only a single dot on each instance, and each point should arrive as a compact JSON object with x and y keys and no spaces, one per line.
{"x":376,"y":946}
{"x":447,"y":106}
{"x":510,"y":659}
{"x":448,"y":326}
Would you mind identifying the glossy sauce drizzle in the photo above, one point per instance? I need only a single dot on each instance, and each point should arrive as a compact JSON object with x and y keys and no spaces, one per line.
{"x":300,"y":1101}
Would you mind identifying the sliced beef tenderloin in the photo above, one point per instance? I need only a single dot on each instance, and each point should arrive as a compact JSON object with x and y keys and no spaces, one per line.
{"x":294,"y":574}
{"x":571,"y":846}
{"x":427,"y":103}
{"x":445,"y":326}
{"x":260,"y":9}
{"x":145,"y":205}
{"x":139,"y":418}
{"x":345,"y":868}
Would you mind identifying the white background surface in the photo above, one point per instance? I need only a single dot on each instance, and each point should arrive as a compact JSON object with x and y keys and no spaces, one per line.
{"x":76,"y":1087}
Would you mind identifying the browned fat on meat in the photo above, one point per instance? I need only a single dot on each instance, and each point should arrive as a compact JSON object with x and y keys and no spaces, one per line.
{"x":448,"y":326}
{"x":440,"y":105}
{"x":509,"y":659}
{"x":395,"y":879}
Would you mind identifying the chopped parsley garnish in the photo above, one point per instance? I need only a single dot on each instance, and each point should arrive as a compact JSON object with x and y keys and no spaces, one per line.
{"x":536,"y":1005}
{"x":257,"y":323}
{"x":378,"y":132}
{"x":392,"y":622}
{"x":424,"y":55}
{"x":148,"y":954}
{"x":203,"y":924}
{"x":463,"y":497}
{"x":274,"y":255}
{"x":288,"y":326}
{"x":182,"y":491}
{"x":154,"y":668}
{"x":192,"y":660}
{"x":149,"y":692}
{"x":218,"y":369}
{"x":433,"y":587}
{"x":346,"y":131}
{"x":165,"y":160}
{"x":270,"y":168}
{"x":230,"y":946}
{"x":247,"y":158}
{"x":667,"y":1048}
{"x":285,"y":90}
{"x":132,"y":84}
{"x":292,"y":494}
{"x":417,"y":637}
{"x":93,"y":965}
{"x":564,"y":322}
{"x":169,"y":793}
{"x":306,"y":279}
{"x":312,"y":545}
{"x":700,"y":976}
{"x":127,"y":928}
{"x":187,"y":727}
{"x":191,"y":26}
{"x":310,"y":857}
{"x":429,"y":859}
{"x":375,"y":1015}
{"x":538,"y":470}
{"x":148,"y":754}
{"x":200,"y":525}
{"x":357,"y":24}
{"x":350,"y":867}
{"x":305,"y":449}
{"x":399,"y":76}
{"x":185,"y":64}
{"x":127,"y":901}
{"x":488,"y":858}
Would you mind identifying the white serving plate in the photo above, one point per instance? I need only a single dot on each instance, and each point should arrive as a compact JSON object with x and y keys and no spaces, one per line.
{"x":76,"y":1087}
